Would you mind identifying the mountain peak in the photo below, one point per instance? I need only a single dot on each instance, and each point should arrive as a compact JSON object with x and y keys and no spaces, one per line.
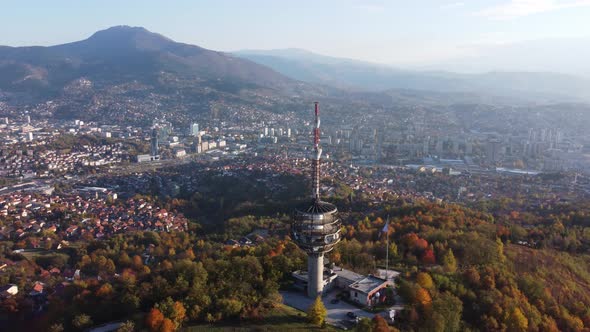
{"x":123,"y":30}
{"x":124,"y":36}
{"x":125,"y":53}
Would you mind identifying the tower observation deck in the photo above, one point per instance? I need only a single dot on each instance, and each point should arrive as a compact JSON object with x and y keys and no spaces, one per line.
{"x":316,"y":226}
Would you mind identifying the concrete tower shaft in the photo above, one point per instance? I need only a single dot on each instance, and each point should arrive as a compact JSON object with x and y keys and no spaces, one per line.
{"x":315,"y":274}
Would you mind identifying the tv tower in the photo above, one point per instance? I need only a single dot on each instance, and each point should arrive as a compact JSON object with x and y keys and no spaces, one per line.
{"x":316,"y":227}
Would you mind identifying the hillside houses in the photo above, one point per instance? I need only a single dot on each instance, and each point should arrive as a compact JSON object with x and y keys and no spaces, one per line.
{"x":74,"y":216}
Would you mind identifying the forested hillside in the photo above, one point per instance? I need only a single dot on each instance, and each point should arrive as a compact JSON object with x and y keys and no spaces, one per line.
{"x":489,"y":269}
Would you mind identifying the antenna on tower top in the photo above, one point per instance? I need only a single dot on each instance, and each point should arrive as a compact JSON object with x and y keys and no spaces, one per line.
{"x":317,"y":154}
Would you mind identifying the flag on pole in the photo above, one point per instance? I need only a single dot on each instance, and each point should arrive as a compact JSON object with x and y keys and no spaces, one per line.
{"x":386,"y":231}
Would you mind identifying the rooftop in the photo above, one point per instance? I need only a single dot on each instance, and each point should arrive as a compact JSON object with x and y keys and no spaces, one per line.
{"x":317,"y":207}
{"x":347,"y":274}
{"x":367,"y":284}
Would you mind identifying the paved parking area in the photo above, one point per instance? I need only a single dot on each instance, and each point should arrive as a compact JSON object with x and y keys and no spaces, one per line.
{"x":336,"y":311}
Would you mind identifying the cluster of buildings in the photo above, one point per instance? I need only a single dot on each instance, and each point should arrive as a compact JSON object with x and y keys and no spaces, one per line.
{"x":275,"y":135}
{"x":364,"y":290}
{"x":546,"y":149}
{"x":31,"y":163}
{"x":84,"y":212}
{"x":19,"y":130}
{"x":182,"y":143}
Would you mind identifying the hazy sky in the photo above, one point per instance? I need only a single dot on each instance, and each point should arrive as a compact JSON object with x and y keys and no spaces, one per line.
{"x":386,"y":31}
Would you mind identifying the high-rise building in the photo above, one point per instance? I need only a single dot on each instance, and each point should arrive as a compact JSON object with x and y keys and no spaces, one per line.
{"x":494,"y":151}
{"x":425,"y":146}
{"x":438,"y":148}
{"x":154,"y":142}
{"x":316,"y":226}
{"x":468,"y":148}
{"x":194,"y":129}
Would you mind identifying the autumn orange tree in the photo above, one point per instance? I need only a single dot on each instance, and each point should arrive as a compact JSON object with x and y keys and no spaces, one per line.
{"x":154,"y":319}
{"x":423,"y":299}
{"x":167,"y":326}
{"x":173,"y":310}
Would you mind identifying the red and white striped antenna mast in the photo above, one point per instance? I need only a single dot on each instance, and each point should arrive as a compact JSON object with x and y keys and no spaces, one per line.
{"x":317,"y":154}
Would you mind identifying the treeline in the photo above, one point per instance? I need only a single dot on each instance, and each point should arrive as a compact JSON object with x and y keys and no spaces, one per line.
{"x":145,"y":274}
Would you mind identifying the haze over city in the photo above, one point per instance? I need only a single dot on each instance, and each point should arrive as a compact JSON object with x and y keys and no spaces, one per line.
{"x":510,"y":35}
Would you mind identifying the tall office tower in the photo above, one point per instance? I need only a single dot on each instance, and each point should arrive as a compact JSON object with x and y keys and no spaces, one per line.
{"x":493,"y":151}
{"x":455,"y":146}
{"x":154,"y":142}
{"x":438,"y":148}
{"x":355,"y":143}
{"x":426,"y":146}
{"x":194,"y":129}
{"x":316,"y":226}
{"x":468,"y":148}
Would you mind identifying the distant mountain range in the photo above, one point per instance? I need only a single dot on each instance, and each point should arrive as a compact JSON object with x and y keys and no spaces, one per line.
{"x":557,"y":55}
{"x":127,"y":64}
{"x":346,"y":73}
{"x":120,"y":53}
{"x":131,"y":74}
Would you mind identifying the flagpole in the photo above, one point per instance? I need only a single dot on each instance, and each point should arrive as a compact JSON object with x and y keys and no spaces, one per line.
{"x":387,"y":251}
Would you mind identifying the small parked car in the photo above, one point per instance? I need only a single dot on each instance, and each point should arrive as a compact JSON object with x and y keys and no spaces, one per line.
{"x":334,"y":301}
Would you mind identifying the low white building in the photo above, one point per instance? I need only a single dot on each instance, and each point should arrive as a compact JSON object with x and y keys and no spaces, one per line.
{"x":8,"y":290}
{"x":364,"y":290}
{"x":369,"y":291}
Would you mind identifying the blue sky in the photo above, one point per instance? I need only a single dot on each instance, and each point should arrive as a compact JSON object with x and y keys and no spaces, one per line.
{"x":386,"y":31}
